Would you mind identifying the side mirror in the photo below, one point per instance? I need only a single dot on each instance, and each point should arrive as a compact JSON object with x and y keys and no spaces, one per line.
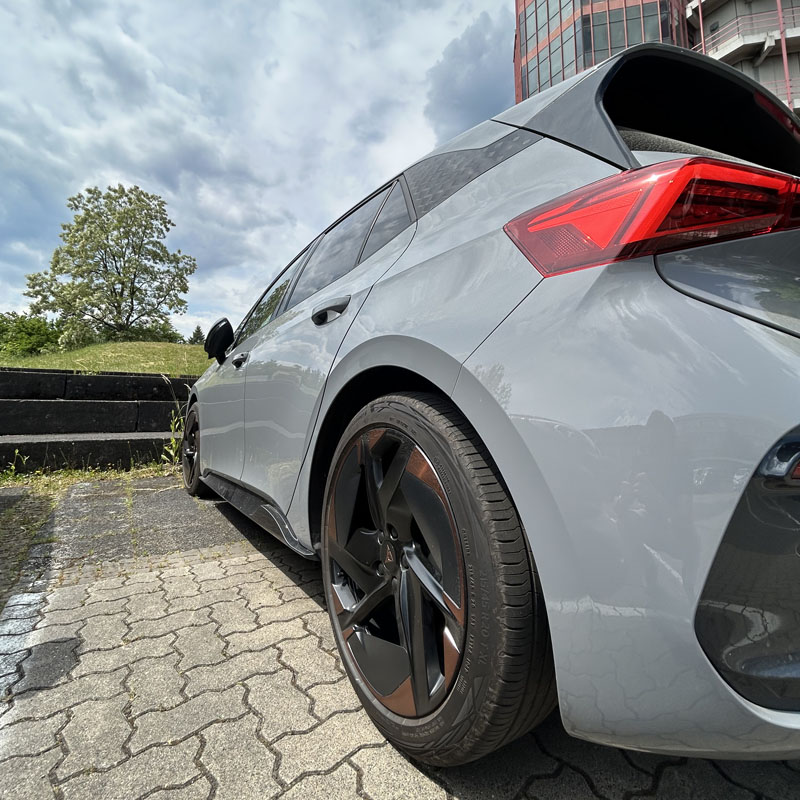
{"x":219,"y":339}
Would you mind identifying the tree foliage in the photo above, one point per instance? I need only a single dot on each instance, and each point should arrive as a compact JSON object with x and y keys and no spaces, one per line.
{"x":197,"y":337}
{"x":113,"y":277}
{"x":27,"y":334}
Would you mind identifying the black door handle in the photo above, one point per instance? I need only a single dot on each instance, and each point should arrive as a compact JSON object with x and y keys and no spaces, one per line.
{"x":330,"y":310}
{"x":239,"y":359}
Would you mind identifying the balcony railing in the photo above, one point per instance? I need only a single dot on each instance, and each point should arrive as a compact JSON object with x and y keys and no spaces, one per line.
{"x":749,"y":25}
{"x":778,"y":88}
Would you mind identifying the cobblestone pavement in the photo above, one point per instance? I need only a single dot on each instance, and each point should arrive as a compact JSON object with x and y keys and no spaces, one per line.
{"x":135,"y":663}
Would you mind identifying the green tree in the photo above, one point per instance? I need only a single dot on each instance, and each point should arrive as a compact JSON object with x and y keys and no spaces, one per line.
{"x":113,"y":276}
{"x":27,"y":334}
{"x":197,"y":336}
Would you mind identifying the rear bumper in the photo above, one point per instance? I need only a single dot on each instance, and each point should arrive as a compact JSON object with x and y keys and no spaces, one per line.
{"x":627,"y":419}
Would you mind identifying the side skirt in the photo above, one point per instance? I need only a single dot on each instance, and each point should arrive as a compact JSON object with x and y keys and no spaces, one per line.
{"x":261,"y":510}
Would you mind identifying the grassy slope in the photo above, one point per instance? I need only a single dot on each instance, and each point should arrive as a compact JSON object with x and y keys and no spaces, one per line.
{"x":157,"y":357}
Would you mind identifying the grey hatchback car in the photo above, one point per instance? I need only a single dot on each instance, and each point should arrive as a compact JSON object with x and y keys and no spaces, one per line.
{"x":534,"y":405}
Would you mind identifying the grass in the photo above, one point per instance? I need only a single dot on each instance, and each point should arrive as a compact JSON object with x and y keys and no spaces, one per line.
{"x":157,"y":357}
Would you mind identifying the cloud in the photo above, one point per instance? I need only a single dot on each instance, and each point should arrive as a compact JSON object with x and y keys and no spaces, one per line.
{"x":259,"y":123}
{"x":473,"y":80}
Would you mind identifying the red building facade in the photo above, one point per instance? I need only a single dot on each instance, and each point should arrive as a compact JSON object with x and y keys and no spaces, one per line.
{"x":558,"y":38}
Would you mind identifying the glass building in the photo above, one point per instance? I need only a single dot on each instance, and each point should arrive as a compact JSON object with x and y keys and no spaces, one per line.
{"x":558,"y":38}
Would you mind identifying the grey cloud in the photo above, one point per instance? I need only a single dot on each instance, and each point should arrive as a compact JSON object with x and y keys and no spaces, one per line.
{"x":474,"y":79}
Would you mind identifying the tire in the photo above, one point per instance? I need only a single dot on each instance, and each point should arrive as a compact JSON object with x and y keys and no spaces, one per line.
{"x":190,"y":457}
{"x":431,"y":590}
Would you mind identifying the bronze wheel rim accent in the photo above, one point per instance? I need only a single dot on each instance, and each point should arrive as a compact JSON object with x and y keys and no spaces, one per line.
{"x":396,"y":571}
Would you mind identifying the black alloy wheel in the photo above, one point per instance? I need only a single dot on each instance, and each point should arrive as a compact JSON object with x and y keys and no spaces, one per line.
{"x":397,"y":573}
{"x":190,"y":457}
{"x":435,"y":609}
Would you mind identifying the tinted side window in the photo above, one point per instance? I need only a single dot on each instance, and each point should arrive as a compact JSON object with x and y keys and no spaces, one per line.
{"x":394,"y":217}
{"x":266,"y":307}
{"x":433,"y":180}
{"x":337,"y":252}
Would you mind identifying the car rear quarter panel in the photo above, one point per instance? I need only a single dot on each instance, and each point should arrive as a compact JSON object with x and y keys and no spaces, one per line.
{"x":457,"y":280}
{"x":626,"y":419}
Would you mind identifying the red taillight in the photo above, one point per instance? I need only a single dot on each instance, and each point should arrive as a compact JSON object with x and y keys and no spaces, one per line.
{"x":651,"y":210}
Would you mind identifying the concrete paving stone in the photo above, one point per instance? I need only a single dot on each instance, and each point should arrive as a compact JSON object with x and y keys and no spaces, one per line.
{"x":168,"y":726}
{"x":168,"y":624}
{"x":388,"y":775}
{"x":120,"y":593}
{"x":260,"y":594}
{"x":298,"y":593}
{"x":6,"y":687}
{"x":20,"y":612}
{"x":231,"y":671}
{"x":25,"y":641}
{"x":145,"y":576}
{"x":147,"y":606}
{"x":28,"y":778}
{"x":103,"y":632}
{"x":65,"y":597}
{"x":155,"y":684}
{"x":124,"y":654}
{"x":237,"y":567}
{"x":233,"y":617}
{"x":230,"y":582}
{"x":30,"y":738}
{"x":503,"y":773}
{"x":280,"y":705}
{"x":698,"y":779}
{"x":104,"y":584}
{"x":16,"y":626}
{"x":176,"y":571}
{"x":199,"y":645}
{"x":319,"y":623}
{"x":771,"y":781}
{"x":27,"y":599}
{"x":239,"y":761}
{"x":325,"y":745}
{"x":180,"y":587}
{"x":287,"y":610}
{"x":9,"y":661}
{"x":265,"y":636}
{"x":94,"y":736}
{"x":157,"y":768}
{"x":332,"y":697}
{"x":43,"y":702}
{"x":341,"y":784}
{"x":80,"y":613}
{"x":201,"y":599}
{"x":199,"y":789}
{"x":607,"y":766}
{"x":566,"y":785}
{"x":208,"y":570}
{"x":310,"y":664}
{"x":48,"y":664}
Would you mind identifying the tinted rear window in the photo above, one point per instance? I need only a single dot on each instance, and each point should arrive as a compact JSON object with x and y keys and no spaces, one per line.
{"x":436,"y":178}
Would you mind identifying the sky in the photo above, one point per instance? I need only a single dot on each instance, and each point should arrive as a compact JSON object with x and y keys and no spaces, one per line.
{"x":258,"y":122}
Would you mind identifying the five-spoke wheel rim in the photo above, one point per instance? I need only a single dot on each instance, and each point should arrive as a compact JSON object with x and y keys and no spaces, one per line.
{"x":396,"y":571}
{"x":189,"y":450}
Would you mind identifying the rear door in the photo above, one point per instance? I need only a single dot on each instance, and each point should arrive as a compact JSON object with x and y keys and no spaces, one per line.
{"x":289,"y":363}
{"x":222,"y":395}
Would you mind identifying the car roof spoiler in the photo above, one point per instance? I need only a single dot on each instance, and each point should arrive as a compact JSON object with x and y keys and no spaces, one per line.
{"x":667,"y":91}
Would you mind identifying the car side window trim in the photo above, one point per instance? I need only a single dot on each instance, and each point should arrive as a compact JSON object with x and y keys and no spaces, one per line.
{"x":385,"y":187}
{"x":372,"y":225}
{"x":302,"y":257}
{"x":288,"y":294}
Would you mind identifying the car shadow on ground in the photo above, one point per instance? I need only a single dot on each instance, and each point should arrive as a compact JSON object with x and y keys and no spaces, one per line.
{"x":549,"y":763}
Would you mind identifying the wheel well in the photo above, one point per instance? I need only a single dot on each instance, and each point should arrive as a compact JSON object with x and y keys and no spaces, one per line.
{"x":367,"y":386}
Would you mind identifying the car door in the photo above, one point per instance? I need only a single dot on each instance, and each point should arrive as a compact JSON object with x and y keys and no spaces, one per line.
{"x":290,"y":362}
{"x":222,"y":395}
